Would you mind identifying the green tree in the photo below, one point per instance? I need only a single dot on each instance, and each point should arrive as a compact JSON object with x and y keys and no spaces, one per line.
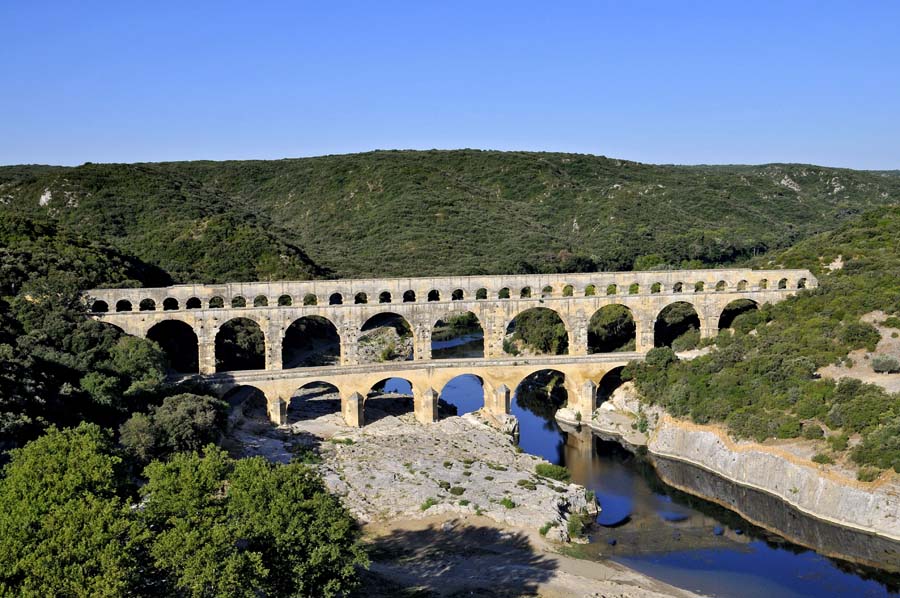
{"x":64,"y":531}
{"x":248,"y":528}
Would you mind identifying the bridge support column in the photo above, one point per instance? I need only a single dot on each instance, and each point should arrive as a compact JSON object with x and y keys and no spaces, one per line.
{"x":206,"y":353}
{"x":277,"y":410}
{"x":578,"y":338}
{"x":274,"y":343}
{"x":422,"y":342}
{"x":494,"y":335}
{"x":643,"y":337}
{"x":352,"y":407}
{"x":497,"y":402}
{"x":587,"y":400}
{"x":349,"y":345}
{"x":426,"y":406}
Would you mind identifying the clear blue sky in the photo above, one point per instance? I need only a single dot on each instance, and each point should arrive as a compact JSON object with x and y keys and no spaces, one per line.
{"x":667,"y":81}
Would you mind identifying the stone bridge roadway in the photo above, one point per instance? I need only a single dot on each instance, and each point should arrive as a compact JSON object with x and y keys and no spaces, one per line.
{"x":202,"y":310}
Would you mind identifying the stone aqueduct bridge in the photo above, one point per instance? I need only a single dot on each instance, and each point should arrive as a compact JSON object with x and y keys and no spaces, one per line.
{"x":495,"y":300}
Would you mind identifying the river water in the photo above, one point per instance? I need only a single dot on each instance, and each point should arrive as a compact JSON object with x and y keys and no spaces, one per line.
{"x":686,"y":541}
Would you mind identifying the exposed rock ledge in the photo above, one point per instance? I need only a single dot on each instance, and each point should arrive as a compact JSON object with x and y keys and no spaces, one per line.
{"x":828,"y":495}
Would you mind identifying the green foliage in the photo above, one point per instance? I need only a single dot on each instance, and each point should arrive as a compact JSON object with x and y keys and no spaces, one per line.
{"x":546,"y":527}
{"x":429,"y":502}
{"x":823,"y":459}
{"x":554,"y":472}
{"x":762,"y":384}
{"x":611,"y":329}
{"x":881,"y":447}
{"x":891,"y":322}
{"x":868,"y":474}
{"x":687,"y":341}
{"x":457,"y":490}
{"x":64,"y":530}
{"x":885,"y":364}
{"x":812,"y":431}
{"x":507,"y":502}
{"x":248,"y":527}
{"x":576,"y":525}
{"x":527,"y":484}
{"x":542,"y":330}
{"x":184,"y":422}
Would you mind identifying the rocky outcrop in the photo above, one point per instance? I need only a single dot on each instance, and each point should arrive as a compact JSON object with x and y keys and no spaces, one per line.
{"x":828,"y":495}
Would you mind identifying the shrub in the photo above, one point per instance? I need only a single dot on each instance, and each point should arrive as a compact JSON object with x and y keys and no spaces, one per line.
{"x":507,"y":502}
{"x":885,"y":364}
{"x":457,"y":490}
{"x":812,"y":431}
{"x":838,"y":442}
{"x":858,"y":335}
{"x":527,"y":484}
{"x":464,"y":502}
{"x":868,"y":474}
{"x":687,"y":341}
{"x":546,"y":528}
{"x":822,"y":458}
{"x":576,"y":525}
{"x":429,"y":502}
{"x":445,"y":485}
{"x":554,"y":472}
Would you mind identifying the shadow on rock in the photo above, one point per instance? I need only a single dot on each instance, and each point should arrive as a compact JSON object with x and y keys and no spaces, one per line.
{"x":462,"y":560}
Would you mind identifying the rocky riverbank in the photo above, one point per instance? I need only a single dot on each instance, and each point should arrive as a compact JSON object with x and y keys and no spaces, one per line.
{"x":781,"y":468}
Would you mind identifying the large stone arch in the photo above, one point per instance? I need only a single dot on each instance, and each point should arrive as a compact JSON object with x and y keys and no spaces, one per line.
{"x":389,"y":396}
{"x":179,"y":341}
{"x":608,"y":383}
{"x":312,"y":399}
{"x":734,"y":309}
{"x":240,"y":345}
{"x":547,"y":340}
{"x":386,"y":336}
{"x":457,"y":334}
{"x":310,"y":340}
{"x":613,"y":327}
{"x":542,"y":393}
{"x":465,"y":392}
{"x":674,"y":321}
{"x":249,"y":405}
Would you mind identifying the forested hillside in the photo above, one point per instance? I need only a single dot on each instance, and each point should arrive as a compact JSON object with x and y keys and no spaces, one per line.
{"x":407,"y":213}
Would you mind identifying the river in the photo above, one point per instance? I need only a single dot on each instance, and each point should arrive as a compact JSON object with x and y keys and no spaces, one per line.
{"x":679,"y":538}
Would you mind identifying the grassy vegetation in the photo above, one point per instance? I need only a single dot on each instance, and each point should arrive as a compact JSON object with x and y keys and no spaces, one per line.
{"x":762,"y":381}
{"x":554,"y":472}
{"x":438,"y":212}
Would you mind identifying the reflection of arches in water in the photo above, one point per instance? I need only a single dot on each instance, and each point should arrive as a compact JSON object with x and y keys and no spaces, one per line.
{"x":310,"y":341}
{"x":388,"y":397}
{"x":457,"y":335}
{"x":313,"y":400}
{"x":247,"y":404}
{"x":535,"y":402}
{"x":608,"y":384}
{"x":465,"y":393}
{"x":179,"y":342}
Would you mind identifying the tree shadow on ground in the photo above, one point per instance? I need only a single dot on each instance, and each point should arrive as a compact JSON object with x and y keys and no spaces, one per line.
{"x":466,"y":560}
{"x":381,"y":405}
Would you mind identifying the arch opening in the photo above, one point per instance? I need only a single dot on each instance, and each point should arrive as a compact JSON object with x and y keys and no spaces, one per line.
{"x":409,"y":296}
{"x":457,"y":295}
{"x":389,"y":397}
{"x":678,"y":287}
{"x":310,"y":341}
{"x":525,"y":293}
{"x":721,"y":286}
{"x":123,"y":305}
{"x":801,"y":284}
{"x":742,"y":285}
{"x":336,"y":299}
{"x":764,"y":283}
{"x":434,"y":295}
{"x":285,"y":301}
{"x":536,"y":331}
{"x":260,"y":301}
{"x":313,"y":400}
{"x":656,"y":287}
{"x":179,"y":342}
{"x":609,"y":383}
{"x":238,"y":302}
{"x":248,"y":407}
{"x":170,"y":304}
{"x":734,"y":310}
{"x":547,"y":291}
{"x":612,"y":329}
{"x":612,"y":289}
{"x":193,"y":303}
{"x":100,"y":307}
{"x":147,"y":305}
{"x":310,"y":299}
{"x":384,"y":297}
{"x":240,"y":345}
{"x":463,"y":394}
{"x":677,"y":326}
{"x":590,"y":290}
{"x":385,"y":337}
{"x":504,"y":293}
{"x":535,"y":402}
{"x":481,"y":294}
{"x":782,"y":284}
{"x":568,"y":291}
{"x":699,"y":286}
{"x":360,"y":298}
{"x":456,"y":336}
{"x":217,"y":303}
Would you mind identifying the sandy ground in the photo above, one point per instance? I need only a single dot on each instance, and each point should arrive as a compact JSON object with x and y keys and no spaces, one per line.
{"x":474,"y":556}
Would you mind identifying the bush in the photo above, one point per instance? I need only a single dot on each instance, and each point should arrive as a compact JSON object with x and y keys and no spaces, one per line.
{"x":429,"y":502}
{"x":885,"y":364}
{"x":184,"y":422}
{"x":881,"y":447}
{"x":858,"y":335}
{"x":838,"y":442}
{"x":546,"y":528}
{"x":868,"y":474}
{"x":554,"y":472}
{"x":507,"y":502}
{"x":687,"y":341}
{"x":527,"y":484}
{"x":457,"y":490}
{"x":576,"y":525}
{"x":822,"y":458}
{"x":812,"y":431}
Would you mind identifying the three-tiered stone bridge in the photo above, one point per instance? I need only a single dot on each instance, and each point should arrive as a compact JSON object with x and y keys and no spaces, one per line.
{"x":202,"y":310}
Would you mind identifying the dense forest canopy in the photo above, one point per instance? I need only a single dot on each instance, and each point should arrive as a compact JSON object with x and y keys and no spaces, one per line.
{"x":407,"y":213}
{"x":87,"y":415}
